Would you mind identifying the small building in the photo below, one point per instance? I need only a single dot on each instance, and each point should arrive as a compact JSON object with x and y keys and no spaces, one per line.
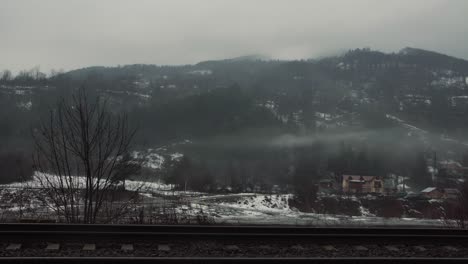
{"x":451,"y":168}
{"x":327,"y":186}
{"x":451,"y":193}
{"x":362,"y":184}
{"x":432,"y":193}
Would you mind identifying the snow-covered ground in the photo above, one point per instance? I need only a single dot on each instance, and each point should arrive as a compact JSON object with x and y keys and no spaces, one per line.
{"x":41,"y":179}
{"x":241,"y":208}
{"x":155,"y":158}
{"x":251,"y":208}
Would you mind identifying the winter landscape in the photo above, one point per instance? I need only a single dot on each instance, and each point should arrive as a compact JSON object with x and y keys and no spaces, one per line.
{"x":197,"y":120}
{"x":345,"y":140}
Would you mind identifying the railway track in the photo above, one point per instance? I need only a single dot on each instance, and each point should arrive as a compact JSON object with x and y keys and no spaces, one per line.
{"x":59,"y":243}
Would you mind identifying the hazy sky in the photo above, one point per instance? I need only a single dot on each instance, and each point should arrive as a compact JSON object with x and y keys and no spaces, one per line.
{"x":69,"y":34}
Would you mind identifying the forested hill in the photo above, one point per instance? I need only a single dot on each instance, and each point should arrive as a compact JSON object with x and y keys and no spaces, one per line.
{"x":422,"y":95}
{"x":425,"y":88}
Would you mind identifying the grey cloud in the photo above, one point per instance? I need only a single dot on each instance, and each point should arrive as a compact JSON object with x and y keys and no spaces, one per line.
{"x":72,"y":34}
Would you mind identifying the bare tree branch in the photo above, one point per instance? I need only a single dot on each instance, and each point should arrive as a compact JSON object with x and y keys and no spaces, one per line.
{"x":82,"y":154}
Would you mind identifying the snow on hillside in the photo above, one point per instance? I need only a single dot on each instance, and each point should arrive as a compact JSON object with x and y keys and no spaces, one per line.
{"x":251,"y":208}
{"x":147,"y":187}
{"x":176,"y":156}
{"x":25,"y":105}
{"x":448,"y":81}
{"x":249,"y":201}
{"x":150,"y":159}
{"x":129,"y":93}
{"x":421,"y":133}
{"x":201,"y":72}
{"x":241,"y":208}
{"x":39,"y":179}
{"x":406,"y":125}
{"x":155,"y":158}
{"x":266,"y":202}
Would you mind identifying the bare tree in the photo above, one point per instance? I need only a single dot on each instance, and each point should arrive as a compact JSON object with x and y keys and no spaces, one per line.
{"x":82,"y":158}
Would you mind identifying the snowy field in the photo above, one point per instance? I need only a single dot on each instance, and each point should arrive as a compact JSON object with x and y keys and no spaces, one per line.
{"x":241,"y":208}
{"x":274,"y":210}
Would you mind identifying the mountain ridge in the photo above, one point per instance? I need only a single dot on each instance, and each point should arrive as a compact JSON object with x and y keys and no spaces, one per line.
{"x":409,"y":52}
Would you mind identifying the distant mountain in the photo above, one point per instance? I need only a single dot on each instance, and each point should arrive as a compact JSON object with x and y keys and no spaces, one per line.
{"x":434,"y":59}
{"x":357,"y":89}
{"x":246,"y":58}
{"x":413,"y":56}
{"x":267,"y":114}
{"x":410,"y":56}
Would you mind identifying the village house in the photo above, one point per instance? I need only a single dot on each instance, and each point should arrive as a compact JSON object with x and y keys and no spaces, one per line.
{"x":451,"y":193}
{"x":362,"y":184}
{"x":326,"y":186}
{"x":440,"y":193}
{"x":451,"y":168}
{"x":329,"y":184}
{"x":432,"y":193}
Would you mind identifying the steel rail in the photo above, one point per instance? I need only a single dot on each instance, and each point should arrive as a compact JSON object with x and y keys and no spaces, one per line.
{"x":231,"y":229}
{"x":218,"y":260}
{"x":353,"y":236}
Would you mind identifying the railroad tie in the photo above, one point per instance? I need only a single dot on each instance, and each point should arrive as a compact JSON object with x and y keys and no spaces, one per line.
{"x":232,"y":248}
{"x":450,"y":248}
{"x":419,"y":248}
{"x":392,"y":248}
{"x":297,"y":247}
{"x":89,"y":247}
{"x":52,"y":246}
{"x":265,"y":247}
{"x":127,"y":247}
{"x":164,"y":247}
{"x":13,"y":246}
{"x":360,"y":248}
{"x":329,"y":248}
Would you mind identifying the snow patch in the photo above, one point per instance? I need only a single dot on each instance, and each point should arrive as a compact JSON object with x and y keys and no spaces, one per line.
{"x":176,"y":156}
{"x":150,"y":159}
{"x":25,"y":105}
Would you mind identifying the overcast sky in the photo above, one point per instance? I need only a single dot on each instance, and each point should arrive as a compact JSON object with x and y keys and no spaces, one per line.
{"x":68,"y":34}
